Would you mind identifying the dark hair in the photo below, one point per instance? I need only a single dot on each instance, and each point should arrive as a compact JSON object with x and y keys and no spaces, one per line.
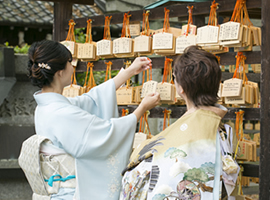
{"x":199,"y":74}
{"x":52,"y":53}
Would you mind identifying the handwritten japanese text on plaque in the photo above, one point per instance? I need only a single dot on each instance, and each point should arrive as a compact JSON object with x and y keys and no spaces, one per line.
{"x":207,"y":34}
{"x":122,"y":45}
{"x":142,"y":44}
{"x":165,"y":91}
{"x":183,"y":42}
{"x":232,"y":87}
{"x":104,"y":47}
{"x":125,"y":95}
{"x":229,"y":31}
{"x":148,"y":88}
{"x":134,"y":29}
{"x":163,"y":41}
{"x":237,"y":99}
{"x":85,"y":51}
{"x":89,"y":51}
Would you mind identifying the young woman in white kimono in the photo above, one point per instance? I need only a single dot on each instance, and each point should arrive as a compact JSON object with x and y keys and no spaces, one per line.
{"x":87,"y":127}
{"x":183,"y":162}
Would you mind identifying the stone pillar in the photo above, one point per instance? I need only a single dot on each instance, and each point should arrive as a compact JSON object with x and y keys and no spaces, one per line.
{"x":7,"y":72}
{"x":7,"y":66}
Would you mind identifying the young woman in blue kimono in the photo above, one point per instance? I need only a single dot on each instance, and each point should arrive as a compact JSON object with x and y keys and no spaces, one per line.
{"x":183,"y":161}
{"x":87,"y":127}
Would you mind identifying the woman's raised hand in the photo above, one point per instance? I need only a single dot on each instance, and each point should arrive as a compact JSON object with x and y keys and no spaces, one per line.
{"x":140,"y":64}
{"x":150,"y":101}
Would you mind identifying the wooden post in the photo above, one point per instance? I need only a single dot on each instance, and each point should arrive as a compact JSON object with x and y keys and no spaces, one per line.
{"x":62,"y":13}
{"x":265,"y":95}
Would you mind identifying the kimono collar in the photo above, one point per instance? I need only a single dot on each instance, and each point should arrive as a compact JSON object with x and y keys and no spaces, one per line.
{"x":218,"y":109}
{"x":49,"y":97}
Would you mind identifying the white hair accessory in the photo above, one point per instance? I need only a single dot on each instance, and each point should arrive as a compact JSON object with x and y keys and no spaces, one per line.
{"x":42,"y":65}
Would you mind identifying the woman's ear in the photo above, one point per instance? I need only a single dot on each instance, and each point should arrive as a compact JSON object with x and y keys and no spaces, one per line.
{"x":181,"y":89}
{"x":59,"y":73}
{"x":182,"y":93}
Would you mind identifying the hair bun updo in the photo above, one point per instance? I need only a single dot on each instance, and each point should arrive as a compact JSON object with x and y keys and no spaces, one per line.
{"x":45,"y":59}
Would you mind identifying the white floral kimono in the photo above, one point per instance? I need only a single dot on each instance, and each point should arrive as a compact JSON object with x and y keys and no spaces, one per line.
{"x":183,"y":162}
{"x":88,"y":128}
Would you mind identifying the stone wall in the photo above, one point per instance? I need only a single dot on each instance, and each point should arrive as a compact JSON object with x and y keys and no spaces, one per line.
{"x":16,"y":124}
{"x":19,"y":105}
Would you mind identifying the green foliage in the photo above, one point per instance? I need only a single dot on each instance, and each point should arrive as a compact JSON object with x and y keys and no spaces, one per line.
{"x":196,"y":174}
{"x":80,"y":36}
{"x":17,"y":49}
{"x":99,"y":76}
{"x":23,"y":49}
{"x":134,"y":84}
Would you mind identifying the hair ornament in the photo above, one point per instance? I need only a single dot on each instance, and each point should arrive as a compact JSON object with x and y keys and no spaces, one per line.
{"x":42,"y":65}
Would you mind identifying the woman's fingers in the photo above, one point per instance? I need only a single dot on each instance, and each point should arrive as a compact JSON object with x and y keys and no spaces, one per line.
{"x":140,"y":64}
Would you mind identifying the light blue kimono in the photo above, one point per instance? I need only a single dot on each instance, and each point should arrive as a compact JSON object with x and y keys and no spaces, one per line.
{"x":88,"y":128}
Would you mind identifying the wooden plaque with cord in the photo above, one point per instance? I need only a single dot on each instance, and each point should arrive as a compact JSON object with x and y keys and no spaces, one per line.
{"x":70,"y":42}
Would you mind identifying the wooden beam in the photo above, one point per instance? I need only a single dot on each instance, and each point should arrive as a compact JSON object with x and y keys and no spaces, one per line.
{"x":199,"y":20}
{"x":250,"y":113}
{"x":178,"y":111}
{"x":86,"y":2}
{"x":201,"y":8}
{"x":254,"y":13}
{"x":255,"y":77}
{"x":62,"y":13}
{"x":250,"y":170}
{"x":28,"y":25}
{"x":265,"y":96}
{"x":253,"y":57}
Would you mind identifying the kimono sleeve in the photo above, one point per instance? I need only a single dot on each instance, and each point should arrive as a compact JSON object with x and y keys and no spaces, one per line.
{"x":99,"y":101}
{"x":86,"y":136}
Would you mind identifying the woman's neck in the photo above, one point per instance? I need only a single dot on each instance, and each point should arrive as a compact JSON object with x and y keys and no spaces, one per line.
{"x":190,"y":107}
{"x":56,"y":88}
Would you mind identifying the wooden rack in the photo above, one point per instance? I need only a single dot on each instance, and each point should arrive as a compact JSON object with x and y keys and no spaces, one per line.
{"x":257,"y":9}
